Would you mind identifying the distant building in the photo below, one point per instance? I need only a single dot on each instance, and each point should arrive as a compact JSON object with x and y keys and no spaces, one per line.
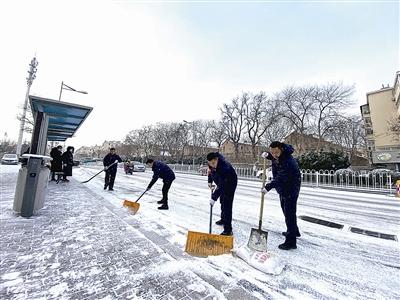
{"x":382,"y":107}
{"x":304,"y":143}
{"x":198,"y":151}
{"x":245,"y":154}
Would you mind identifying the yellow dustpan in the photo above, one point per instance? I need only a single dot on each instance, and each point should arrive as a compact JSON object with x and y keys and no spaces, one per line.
{"x":134,"y":206}
{"x":205,"y":244}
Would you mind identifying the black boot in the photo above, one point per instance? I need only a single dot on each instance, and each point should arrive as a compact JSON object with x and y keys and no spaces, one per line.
{"x":162,"y":201}
{"x":164,"y":206}
{"x":284,"y":233}
{"x":227,"y":232}
{"x":219,"y":222}
{"x":105,"y":186}
{"x":287,"y":245}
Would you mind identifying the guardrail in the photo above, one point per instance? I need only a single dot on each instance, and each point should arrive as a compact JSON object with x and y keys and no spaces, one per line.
{"x":360,"y":181}
{"x":382,"y":182}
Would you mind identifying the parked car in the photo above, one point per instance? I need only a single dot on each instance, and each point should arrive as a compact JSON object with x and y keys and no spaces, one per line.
{"x":381,"y":171}
{"x":9,"y":159}
{"x":138,"y":166}
{"x":269,"y":174}
{"x":203,"y":170}
{"x":347,"y":171}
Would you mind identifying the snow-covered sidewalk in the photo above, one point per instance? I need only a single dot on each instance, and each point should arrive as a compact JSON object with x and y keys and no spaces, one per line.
{"x":79,"y":246}
{"x":85,"y":245}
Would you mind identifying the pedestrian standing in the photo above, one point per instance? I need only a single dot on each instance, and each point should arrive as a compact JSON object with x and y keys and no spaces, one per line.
{"x":56,"y":163}
{"x":286,"y":181}
{"x":68,"y":162}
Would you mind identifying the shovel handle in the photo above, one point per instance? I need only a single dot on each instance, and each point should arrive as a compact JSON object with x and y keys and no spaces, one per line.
{"x":262,"y":194}
{"x":210,"y":226}
{"x":141,"y":196}
{"x":211,"y":207}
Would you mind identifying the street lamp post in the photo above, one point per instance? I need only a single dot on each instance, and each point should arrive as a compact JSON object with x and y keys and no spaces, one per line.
{"x":32,"y":75}
{"x":192,"y":123}
{"x":68,"y":88}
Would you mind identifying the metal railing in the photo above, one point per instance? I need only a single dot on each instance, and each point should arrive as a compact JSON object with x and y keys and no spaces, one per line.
{"x":354,"y":180}
{"x":381,"y":181}
{"x":360,"y":181}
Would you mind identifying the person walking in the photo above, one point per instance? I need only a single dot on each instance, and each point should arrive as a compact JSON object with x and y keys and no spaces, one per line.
{"x":286,"y":181}
{"x":161,"y":170}
{"x":110,"y":162}
{"x":226,"y":187}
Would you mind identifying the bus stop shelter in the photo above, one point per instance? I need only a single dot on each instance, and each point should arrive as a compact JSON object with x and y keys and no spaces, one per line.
{"x":53,"y":121}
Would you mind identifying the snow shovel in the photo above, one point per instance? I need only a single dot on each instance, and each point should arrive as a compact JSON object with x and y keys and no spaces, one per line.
{"x":134,"y":206}
{"x":258,"y":237}
{"x":98,"y":173}
{"x":205,"y":244}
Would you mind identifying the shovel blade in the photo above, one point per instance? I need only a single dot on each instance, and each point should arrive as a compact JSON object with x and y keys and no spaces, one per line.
{"x":258,"y":240}
{"x":132,"y":206}
{"x":205,"y":244}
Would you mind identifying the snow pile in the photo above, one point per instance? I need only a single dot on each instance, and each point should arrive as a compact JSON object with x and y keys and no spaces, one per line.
{"x":266,"y":262}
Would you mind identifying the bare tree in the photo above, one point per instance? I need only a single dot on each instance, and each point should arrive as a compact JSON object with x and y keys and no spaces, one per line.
{"x":233,"y":120}
{"x":203,"y":132}
{"x":218,"y":134}
{"x":7,"y":146}
{"x":260,"y":115}
{"x":277,"y":131}
{"x":330,"y":101}
{"x":143,"y":140}
{"x":29,"y":121}
{"x":394,"y":127}
{"x":296,"y":105}
{"x":349,"y":133}
{"x":178,"y":138}
{"x":131,"y":146}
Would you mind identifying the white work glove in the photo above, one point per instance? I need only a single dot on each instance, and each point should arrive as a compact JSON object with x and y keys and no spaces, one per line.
{"x":212,"y":202}
{"x":264,"y":155}
{"x":209,"y":185}
{"x":116,"y":161}
{"x":105,"y":168}
{"x":264,"y":190}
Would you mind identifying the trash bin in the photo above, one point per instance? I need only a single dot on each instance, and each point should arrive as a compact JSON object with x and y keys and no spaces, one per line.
{"x":32,"y":183}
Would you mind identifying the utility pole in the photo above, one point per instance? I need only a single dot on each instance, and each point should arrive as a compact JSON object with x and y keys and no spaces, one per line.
{"x":32,"y":75}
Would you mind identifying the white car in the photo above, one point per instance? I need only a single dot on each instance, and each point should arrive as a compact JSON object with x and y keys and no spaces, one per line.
{"x":269,"y":174}
{"x":9,"y":159}
{"x":138,"y":166}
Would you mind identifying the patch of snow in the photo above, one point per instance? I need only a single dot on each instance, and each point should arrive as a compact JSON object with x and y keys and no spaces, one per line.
{"x":58,"y":289}
{"x":10,"y":276}
{"x":11,"y":283}
{"x":197,"y":287}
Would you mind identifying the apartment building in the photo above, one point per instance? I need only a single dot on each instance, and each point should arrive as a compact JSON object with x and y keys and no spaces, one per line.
{"x":382,"y":108}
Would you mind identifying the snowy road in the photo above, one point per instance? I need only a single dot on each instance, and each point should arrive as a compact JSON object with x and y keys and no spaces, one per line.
{"x":328,"y":264}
